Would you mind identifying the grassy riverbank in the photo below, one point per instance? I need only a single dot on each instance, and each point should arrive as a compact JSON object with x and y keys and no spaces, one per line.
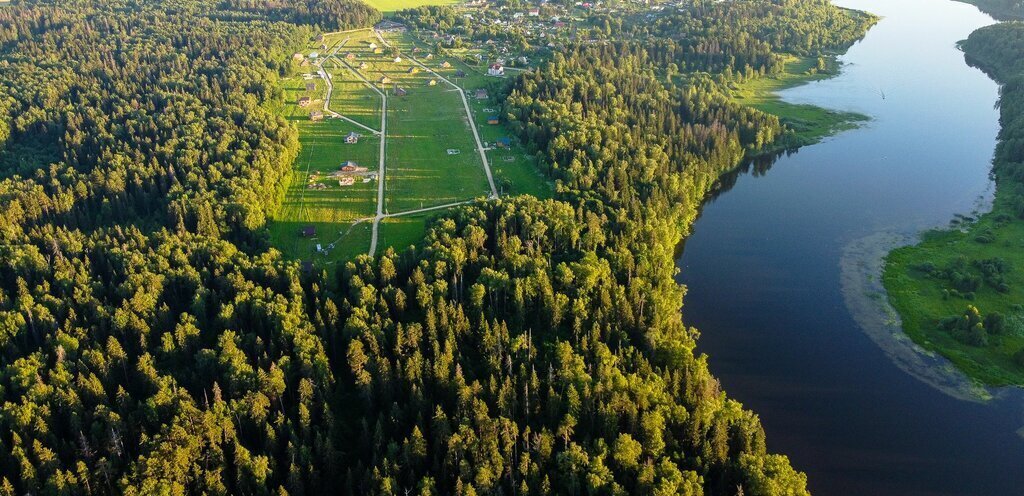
{"x":809,"y":123}
{"x":979,"y":264}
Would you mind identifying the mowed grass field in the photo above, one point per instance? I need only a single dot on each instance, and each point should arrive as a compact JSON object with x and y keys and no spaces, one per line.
{"x":396,"y":5}
{"x":332,"y":210}
{"x":515,"y":170}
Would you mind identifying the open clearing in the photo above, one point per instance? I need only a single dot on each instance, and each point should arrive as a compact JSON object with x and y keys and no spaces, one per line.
{"x":396,"y":5}
{"x":432,"y":158}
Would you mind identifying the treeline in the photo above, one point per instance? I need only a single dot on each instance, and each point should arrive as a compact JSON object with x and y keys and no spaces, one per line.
{"x":150,"y":343}
{"x":748,"y":38}
{"x":1000,"y":9}
{"x":329,"y":15}
{"x":999,"y":50}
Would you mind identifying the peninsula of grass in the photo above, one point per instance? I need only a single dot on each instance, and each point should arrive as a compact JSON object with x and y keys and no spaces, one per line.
{"x":960,"y":292}
{"x":809,"y":123}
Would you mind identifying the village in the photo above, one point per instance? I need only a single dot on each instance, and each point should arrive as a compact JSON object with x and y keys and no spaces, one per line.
{"x":404,"y":120}
{"x":391,"y":130}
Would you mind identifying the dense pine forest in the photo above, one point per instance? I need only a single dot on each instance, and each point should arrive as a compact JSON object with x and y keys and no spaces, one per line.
{"x":153,"y":343}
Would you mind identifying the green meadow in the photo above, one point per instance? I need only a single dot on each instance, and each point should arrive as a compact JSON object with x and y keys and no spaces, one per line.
{"x":387,"y":6}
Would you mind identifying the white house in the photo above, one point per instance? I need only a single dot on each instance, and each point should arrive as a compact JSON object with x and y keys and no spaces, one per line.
{"x":496,"y":70}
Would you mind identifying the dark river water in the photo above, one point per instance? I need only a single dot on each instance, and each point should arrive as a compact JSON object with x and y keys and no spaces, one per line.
{"x":783,"y":264}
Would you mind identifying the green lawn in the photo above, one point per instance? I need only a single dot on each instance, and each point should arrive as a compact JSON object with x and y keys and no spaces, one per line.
{"x":810,"y":123}
{"x":401,"y":232}
{"x":331,"y":210}
{"x":396,"y":5}
{"x":920,"y":300}
{"x":515,"y":170}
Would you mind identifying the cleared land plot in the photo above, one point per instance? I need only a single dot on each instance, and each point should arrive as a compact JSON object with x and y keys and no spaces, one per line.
{"x":401,"y":232}
{"x":515,"y":170}
{"x":423,"y":125}
{"x":330,"y":208}
{"x":396,"y":5}
{"x":353,"y":99}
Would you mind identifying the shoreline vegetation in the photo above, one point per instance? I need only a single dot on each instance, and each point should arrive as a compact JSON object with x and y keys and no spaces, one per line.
{"x":960,"y":291}
{"x":809,"y":124}
{"x":1003,"y":10}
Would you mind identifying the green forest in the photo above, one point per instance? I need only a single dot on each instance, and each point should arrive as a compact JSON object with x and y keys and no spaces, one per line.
{"x":959,"y":291}
{"x":153,"y":342}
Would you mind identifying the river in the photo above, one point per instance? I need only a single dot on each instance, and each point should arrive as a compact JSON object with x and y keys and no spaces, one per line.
{"x":783,"y":264}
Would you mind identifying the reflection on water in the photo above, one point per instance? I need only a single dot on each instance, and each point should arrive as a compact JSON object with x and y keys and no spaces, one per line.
{"x":782,"y":272}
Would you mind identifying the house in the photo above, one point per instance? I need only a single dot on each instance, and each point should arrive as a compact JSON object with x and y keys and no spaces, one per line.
{"x":346,"y":181}
{"x":303,"y":101}
{"x":385,"y":80}
{"x":307,"y":267}
{"x":378,"y":50}
{"x":307,"y":231}
{"x":481,"y":94}
{"x":350,"y":56}
{"x":316,"y":115}
{"x":310,"y":86}
{"x":493,"y":120}
{"x":460,"y":73}
{"x":504,"y":142}
{"x":363,"y":65}
{"x":400,"y":92}
{"x":372,"y":45}
{"x":350,"y":166}
{"x":445,"y":65}
{"x":496,"y":70}
{"x":298,"y":57}
{"x":412,"y":70}
{"x":398,"y":60}
{"x":390,"y":27}
{"x":319,"y":38}
{"x":314,"y":55}
{"x":352,"y":138}
{"x":534,"y":12}
{"x":429,"y":56}
{"x":432,"y":82}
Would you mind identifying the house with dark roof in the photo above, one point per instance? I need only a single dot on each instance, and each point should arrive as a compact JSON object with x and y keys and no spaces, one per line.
{"x":503,"y":142}
{"x":481,"y":94}
{"x":493,"y":120}
{"x":307,"y":231}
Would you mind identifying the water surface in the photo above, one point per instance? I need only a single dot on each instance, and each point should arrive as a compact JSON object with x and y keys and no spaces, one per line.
{"x":780,"y":257}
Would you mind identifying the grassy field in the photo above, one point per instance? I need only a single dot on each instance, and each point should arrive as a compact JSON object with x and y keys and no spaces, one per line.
{"x":423,"y":124}
{"x":334,"y":209}
{"x":396,"y":5}
{"x":810,"y":123}
{"x":515,"y":171}
{"x":922,"y":299}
